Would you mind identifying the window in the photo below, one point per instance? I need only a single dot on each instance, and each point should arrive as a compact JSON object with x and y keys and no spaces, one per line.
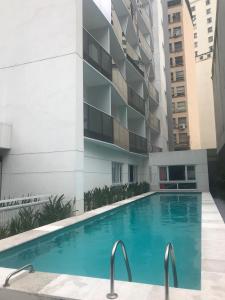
{"x":176,"y":173}
{"x":174,"y":123}
{"x":173,"y":106}
{"x":196,"y":53}
{"x":208,"y":55}
{"x":179,"y":75}
{"x":172,"y":91}
{"x":210,"y":29}
{"x":177,"y":31}
{"x":174,"y":138}
{"x":209,"y":20}
{"x":163,"y":173}
{"x":193,"y":8}
{"x":182,"y":122}
{"x":183,"y":138}
{"x":195,"y":35}
{"x":133,"y":174}
{"x":210,"y":39}
{"x":211,"y":48}
{"x":116,"y":172}
{"x":169,"y":18}
{"x":176,"y":17}
{"x":207,"y":2}
{"x":170,"y":48}
{"x":181,"y":106}
{"x":171,"y":76}
{"x":196,"y":44}
{"x":180,"y":91}
{"x":170,"y":33}
{"x":179,"y":60}
{"x":171,"y":62}
{"x":177,"y":177}
{"x":177,"y":46}
{"x":208,"y":11}
{"x":191,"y":173}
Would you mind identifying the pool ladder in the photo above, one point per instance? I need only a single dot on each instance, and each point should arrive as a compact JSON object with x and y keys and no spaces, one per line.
{"x":169,"y":252}
{"x":29,"y":267}
{"x":112,"y":294}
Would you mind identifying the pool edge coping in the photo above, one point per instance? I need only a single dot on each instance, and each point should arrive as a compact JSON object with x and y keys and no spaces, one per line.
{"x":27,"y":236}
{"x":212,"y":277}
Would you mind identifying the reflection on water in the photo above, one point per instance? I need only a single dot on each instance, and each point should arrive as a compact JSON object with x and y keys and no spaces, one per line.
{"x":179,"y":208}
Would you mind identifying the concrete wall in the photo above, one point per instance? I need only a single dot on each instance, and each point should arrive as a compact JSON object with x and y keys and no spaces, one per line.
{"x":191,"y":157}
{"x":42,"y":96}
{"x":98,"y":164}
{"x":203,"y":70}
{"x":205,"y":104}
{"x":160,"y":73}
{"x":190,"y":71}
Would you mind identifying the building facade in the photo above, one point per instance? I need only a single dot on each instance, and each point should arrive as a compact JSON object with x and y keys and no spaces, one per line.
{"x":218,"y":75}
{"x":204,"y":16}
{"x":79,"y":103}
{"x":183,"y":80}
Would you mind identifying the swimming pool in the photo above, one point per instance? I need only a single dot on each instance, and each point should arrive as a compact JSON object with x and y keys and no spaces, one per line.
{"x":145,"y":226}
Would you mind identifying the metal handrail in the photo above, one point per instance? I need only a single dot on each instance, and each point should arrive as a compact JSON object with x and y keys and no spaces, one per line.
{"x":170,"y":253}
{"x":29,"y":267}
{"x":112,"y":294}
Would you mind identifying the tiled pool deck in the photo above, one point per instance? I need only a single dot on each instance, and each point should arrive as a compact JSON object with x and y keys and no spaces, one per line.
{"x":54,"y":286}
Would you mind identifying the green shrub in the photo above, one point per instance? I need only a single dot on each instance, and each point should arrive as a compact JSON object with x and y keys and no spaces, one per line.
{"x":28,"y":218}
{"x":4,"y":232}
{"x":107,"y":195}
{"x":55,"y":210}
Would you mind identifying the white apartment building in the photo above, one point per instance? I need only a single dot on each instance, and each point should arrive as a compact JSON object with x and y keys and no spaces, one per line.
{"x":204,"y":17}
{"x":83,"y":94}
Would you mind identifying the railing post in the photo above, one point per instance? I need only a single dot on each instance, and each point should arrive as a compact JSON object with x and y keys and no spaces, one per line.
{"x":112,"y":294}
{"x":169,"y":253}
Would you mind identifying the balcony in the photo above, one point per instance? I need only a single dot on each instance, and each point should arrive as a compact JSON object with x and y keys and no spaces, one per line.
{"x":121,"y":135}
{"x":154,"y":123}
{"x":97,"y":124}
{"x":119,"y":82}
{"x":96,"y":55}
{"x":145,"y":17}
{"x":134,"y":59}
{"x":145,"y":46}
{"x":154,"y":94}
{"x":136,"y":101}
{"x":153,"y":148}
{"x":100,"y":126}
{"x":137,"y":143}
{"x":116,"y":27}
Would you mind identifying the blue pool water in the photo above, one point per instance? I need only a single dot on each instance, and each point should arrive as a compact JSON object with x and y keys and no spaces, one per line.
{"x":145,"y":226}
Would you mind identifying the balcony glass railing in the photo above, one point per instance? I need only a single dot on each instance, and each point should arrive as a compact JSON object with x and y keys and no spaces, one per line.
{"x":154,"y":122}
{"x":134,"y":59}
{"x":121,"y":135}
{"x":145,"y":46}
{"x":137,"y":143}
{"x":119,"y":81}
{"x":96,"y":55}
{"x":100,"y":126}
{"x":97,"y":124}
{"x":154,"y":94}
{"x":136,"y":101}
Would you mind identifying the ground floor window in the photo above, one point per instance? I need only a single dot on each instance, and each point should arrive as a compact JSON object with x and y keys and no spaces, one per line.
{"x":133,"y":173}
{"x":177,"y":177}
{"x":117,"y":172}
